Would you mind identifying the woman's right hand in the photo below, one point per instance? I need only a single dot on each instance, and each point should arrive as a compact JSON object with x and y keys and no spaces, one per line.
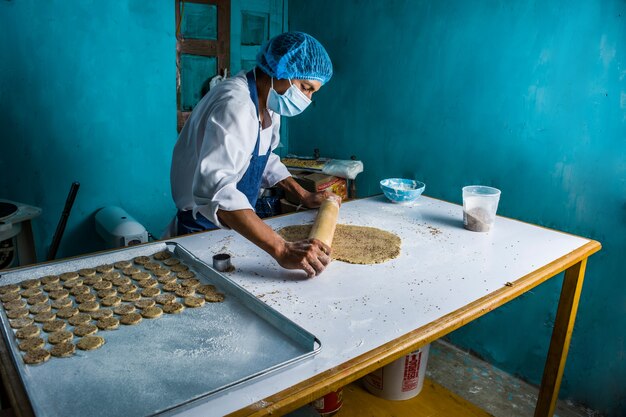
{"x":310,"y":255}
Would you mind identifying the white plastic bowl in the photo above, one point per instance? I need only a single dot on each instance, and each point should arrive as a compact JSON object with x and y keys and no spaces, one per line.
{"x":402,"y":190}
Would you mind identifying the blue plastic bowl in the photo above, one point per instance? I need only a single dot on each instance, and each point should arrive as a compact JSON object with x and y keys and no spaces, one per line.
{"x":401,"y":190}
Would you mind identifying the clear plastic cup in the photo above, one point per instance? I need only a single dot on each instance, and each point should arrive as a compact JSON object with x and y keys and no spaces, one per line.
{"x":480,"y":204}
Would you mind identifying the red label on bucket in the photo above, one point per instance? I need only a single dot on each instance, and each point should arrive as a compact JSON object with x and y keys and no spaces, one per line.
{"x":329,"y":403}
{"x":411,"y":369}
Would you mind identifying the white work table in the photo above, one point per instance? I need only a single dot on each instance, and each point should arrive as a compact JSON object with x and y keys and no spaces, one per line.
{"x":368,"y":315}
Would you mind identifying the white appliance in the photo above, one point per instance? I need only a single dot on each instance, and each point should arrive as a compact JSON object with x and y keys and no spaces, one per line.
{"x":118,"y":228}
{"x":17,"y":246}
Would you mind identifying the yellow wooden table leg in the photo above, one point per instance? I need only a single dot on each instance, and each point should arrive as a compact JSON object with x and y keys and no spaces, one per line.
{"x":561,"y":336}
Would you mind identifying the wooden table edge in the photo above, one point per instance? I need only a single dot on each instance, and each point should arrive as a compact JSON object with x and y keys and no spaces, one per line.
{"x":335,"y":378}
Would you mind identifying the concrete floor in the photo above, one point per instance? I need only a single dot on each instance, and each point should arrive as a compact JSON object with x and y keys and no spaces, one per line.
{"x":486,"y":386}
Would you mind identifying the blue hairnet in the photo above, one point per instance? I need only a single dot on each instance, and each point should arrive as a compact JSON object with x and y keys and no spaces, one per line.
{"x":295,"y":55}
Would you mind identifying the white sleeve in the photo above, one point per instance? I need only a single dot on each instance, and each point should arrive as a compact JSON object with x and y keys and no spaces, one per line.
{"x":229,"y":138}
{"x":275,"y":171}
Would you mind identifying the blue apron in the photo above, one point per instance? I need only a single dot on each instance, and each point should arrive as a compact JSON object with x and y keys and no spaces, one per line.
{"x":249,"y":184}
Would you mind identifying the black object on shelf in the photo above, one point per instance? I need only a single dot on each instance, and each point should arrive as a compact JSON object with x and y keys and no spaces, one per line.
{"x":58,"y":234}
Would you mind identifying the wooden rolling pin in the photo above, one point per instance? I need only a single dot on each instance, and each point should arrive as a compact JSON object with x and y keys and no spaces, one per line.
{"x":326,"y":221}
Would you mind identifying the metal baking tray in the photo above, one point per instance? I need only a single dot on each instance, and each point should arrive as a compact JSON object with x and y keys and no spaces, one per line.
{"x":164,"y":365}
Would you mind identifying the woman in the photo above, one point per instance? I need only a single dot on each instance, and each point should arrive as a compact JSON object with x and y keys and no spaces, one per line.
{"x":224,"y":157}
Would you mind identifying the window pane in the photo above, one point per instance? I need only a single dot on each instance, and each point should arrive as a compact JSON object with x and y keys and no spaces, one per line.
{"x":195,"y":73}
{"x":254,"y":28}
{"x":199,"y":21}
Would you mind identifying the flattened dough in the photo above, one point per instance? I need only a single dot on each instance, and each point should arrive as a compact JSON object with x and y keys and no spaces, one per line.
{"x":353,"y":244}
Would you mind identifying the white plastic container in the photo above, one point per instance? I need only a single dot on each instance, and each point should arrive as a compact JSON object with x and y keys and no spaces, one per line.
{"x":400,"y":380}
{"x":480,"y":204}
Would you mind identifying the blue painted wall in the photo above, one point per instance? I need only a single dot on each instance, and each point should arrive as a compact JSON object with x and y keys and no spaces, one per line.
{"x":527,"y":96}
{"x":88,"y":94}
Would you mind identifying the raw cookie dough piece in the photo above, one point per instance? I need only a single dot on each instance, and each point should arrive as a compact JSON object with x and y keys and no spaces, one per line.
{"x":53,"y":326}
{"x":161,"y":272}
{"x":61,"y":336}
{"x":35,"y":356}
{"x":214,"y":297}
{"x":166,"y":279}
{"x":44,"y":317}
{"x":165,"y":298}
{"x":141,"y":276}
{"x":90,"y":342}
{"x":62,"y":302}
{"x":353,"y":244}
{"x":125,"y":289}
{"x":130,"y":319}
{"x":150,"y":292}
{"x":40,"y":308}
{"x":58,"y":294}
{"x":103,"y":269}
{"x":32,"y":330}
{"x":130,"y":271}
{"x":80,"y":290}
{"x":30,"y":283}
{"x":7,"y":289}
{"x":172,"y":286}
{"x":163,"y":255}
{"x":67,"y":312}
{"x":190,"y":283}
{"x":194,"y":302}
{"x":179,"y":268}
{"x":145,"y":303}
{"x":63,"y":350}
{"x":55,"y":286}
{"x":124,"y":309}
{"x":38,"y":299}
{"x":173,"y":308}
{"x":92,"y":280}
{"x":89,"y":306}
{"x":85,"y":330}
{"x":69,"y":276}
{"x":151,"y":266}
{"x":103,"y":285}
{"x":121,"y":281}
{"x":131,"y":296}
{"x":171,"y":261}
{"x":17,"y":313}
{"x":31,"y":292}
{"x":15,"y":305}
{"x":87,"y":272}
{"x":85,"y":298}
{"x":152,"y":312}
{"x":147,"y":283}
{"x":141,"y":260}
{"x":50,"y":279}
{"x":31,"y":343}
{"x":107,"y":293}
{"x":108,"y":323}
{"x":110,"y":276}
{"x":111,"y":301}
{"x":185,"y":292}
{"x":205,"y":289}
{"x":186,"y":274}
{"x":101,"y":314}
{"x":10,"y":296}
{"x":79,"y":319}
{"x":73,"y":283}
{"x":123,"y":264}
{"x":20,"y":323}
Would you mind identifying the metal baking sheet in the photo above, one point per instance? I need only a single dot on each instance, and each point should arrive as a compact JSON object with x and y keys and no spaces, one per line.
{"x":163,"y":365}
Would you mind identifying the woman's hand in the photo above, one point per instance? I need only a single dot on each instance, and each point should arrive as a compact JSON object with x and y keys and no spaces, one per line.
{"x":314,"y":200}
{"x":310,"y":255}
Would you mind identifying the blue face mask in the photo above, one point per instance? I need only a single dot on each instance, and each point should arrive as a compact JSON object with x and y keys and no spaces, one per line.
{"x":290,"y":103}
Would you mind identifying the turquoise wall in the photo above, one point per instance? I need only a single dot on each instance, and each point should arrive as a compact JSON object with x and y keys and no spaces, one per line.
{"x":88,"y":94}
{"x":527,"y":96}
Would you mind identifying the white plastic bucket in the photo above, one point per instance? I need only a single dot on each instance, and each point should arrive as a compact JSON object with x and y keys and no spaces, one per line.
{"x":401,"y":379}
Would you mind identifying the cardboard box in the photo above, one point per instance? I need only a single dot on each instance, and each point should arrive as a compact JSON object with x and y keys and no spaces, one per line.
{"x":316,"y":182}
